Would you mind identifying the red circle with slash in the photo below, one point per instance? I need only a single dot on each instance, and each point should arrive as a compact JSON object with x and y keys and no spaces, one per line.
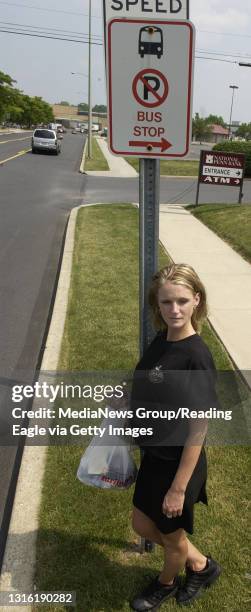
{"x":140,"y":78}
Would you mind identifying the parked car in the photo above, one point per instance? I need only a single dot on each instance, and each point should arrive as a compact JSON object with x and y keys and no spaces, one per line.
{"x":104,"y":132}
{"x":53,"y":126}
{"x":60,"y":133}
{"x":77,"y":130}
{"x":45,"y":140}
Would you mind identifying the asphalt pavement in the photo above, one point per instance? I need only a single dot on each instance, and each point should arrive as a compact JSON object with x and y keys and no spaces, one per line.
{"x":12,"y":144}
{"x":172,"y":190}
{"x":195,"y":149}
{"x":37,"y":194}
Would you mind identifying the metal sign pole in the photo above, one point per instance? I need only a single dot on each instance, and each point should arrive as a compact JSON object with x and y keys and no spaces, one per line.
{"x":89,"y":88}
{"x":199,"y":175}
{"x":149,"y":181}
{"x":241,"y":194}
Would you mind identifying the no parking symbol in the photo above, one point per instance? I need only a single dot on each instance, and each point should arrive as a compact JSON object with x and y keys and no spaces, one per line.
{"x":150,"y":87}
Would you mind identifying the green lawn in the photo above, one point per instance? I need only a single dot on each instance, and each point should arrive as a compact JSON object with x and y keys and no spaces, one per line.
{"x":98,"y":161}
{"x":232,"y":222}
{"x":85,"y":542}
{"x":172,"y":168}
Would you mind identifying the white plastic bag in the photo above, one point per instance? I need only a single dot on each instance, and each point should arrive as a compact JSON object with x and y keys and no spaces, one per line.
{"x":108,"y":466}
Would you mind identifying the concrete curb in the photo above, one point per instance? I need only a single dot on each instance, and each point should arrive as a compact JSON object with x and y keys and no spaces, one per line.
{"x":119,"y":167}
{"x":20,"y":552}
{"x":82,"y":165}
{"x":113,"y":173}
{"x":93,"y":172}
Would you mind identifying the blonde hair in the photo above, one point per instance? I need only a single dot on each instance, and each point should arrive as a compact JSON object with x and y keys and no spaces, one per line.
{"x":179,"y":274}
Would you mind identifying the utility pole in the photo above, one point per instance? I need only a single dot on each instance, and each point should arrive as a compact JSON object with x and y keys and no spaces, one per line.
{"x":89,"y":90}
{"x":233,"y":87}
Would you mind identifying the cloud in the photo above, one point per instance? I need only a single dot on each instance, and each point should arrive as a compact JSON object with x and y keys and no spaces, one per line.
{"x":223,"y":18}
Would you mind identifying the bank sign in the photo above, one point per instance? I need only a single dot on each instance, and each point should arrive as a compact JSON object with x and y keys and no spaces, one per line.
{"x":221,"y":168}
{"x":146,"y":9}
{"x":150,"y":75}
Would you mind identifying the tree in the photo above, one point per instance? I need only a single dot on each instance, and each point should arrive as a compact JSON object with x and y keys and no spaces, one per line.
{"x":244,"y":131}
{"x":35,"y":111}
{"x":15,"y":109}
{"x":201,"y":129}
{"x":7,"y":94}
{"x":64,"y":103}
{"x":215,"y":120}
{"x":21,"y":108}
{"x":83,"y":107}
{"x":100,"y":108}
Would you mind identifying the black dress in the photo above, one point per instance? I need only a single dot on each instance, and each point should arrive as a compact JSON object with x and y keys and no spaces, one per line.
{"x":171,"y":375}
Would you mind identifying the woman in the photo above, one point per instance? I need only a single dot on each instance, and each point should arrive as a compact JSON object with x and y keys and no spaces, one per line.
{"x":177,"y":370}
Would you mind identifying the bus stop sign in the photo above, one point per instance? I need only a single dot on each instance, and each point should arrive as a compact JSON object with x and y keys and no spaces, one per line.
{"x":150,"y":74}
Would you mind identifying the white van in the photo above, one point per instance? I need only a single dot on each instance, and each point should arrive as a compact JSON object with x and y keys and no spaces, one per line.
{"x":45,"y":140}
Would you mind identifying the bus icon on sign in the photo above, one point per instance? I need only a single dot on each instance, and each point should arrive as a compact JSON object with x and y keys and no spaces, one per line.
{"x":150,"y":41}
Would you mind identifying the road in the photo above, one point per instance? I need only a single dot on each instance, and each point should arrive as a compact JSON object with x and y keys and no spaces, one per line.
{"x":37,"y":193}
{"x":172,"y":190}
{"x":195,"y":149}
{"x":11,"y":144}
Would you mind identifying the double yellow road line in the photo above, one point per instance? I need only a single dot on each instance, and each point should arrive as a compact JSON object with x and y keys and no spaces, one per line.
{"x":4,"y":161}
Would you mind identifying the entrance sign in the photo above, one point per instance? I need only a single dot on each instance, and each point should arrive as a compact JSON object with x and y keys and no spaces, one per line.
{"x":150,"y":73}
{"x":221,"y":168}
{"x":146,"y":9}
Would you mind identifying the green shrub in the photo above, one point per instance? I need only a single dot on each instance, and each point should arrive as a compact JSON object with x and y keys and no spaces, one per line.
{"x":237,"y":147}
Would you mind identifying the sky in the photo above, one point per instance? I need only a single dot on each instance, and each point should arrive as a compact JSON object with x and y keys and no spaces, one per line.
{"x":43,"y":67}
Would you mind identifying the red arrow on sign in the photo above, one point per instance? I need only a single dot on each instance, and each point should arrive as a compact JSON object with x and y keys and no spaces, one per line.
{"x":163,"y":144}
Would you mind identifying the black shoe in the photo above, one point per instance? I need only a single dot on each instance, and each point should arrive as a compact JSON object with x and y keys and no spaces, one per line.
{"x":154,"y":595}
{"x":196,"y":582}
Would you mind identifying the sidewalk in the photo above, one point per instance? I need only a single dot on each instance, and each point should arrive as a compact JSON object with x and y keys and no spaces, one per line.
{"x":226,"y":275}
{"x":118,"y":165}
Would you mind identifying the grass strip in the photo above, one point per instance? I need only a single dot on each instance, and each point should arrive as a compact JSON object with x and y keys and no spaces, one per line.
{"x":98,"y":161}
{"x":171,"y":168}
{"x":85,"y":542}
{"x":232,"y":222}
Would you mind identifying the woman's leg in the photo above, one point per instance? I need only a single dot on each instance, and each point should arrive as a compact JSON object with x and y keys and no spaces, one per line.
{"x":174,"y":544}
{"x":155,"y":593}
{"x":175,"y":555}
{"x":146,"y":528}
{"x":195,"y":559}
